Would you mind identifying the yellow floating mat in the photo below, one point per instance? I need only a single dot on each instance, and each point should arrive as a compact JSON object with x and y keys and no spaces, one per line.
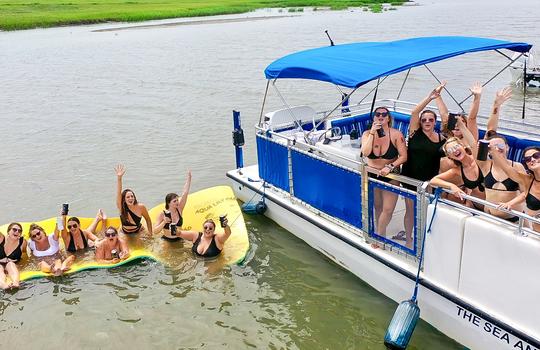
{"x":134,"y":255}
{"x":209,"y":203}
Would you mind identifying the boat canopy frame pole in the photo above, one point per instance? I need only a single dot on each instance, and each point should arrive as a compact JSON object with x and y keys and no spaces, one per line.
{"x":263,"y":103}
{"x":402,"y":86}
{"x":296,"y":121}
{"x":448,"y":91}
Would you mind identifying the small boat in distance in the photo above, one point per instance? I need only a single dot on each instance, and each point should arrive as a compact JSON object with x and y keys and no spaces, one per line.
{"x":477,"y":282}
{"x":532,"y":71}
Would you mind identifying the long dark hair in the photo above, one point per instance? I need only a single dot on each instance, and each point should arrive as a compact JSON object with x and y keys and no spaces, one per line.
{"x":76,"y":219}
{"x":124,"y":204}
{"x":537,"y":148}
{"x":168,"y":198}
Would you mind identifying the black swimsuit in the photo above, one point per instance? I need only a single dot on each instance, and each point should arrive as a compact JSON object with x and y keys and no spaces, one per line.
{"x":136,"y":222}
{"x":391,"y":152}
{"x":71,"y":247}
{"x":167,"y":226}
{"x":532,"y":202}
{"x":472,"y":184}
{"x":508,"y":183}
{"x":210,"y":252}
{"x":14,"y":256}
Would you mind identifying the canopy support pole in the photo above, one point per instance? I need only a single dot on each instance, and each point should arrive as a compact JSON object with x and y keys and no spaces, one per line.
{"x":524,"y":88}
{"x":296,"y":121}
{"x":402,"y":86}
{"x":439,"y":81}
{"x":370,"y":91}
{"x":496,"y":75}
{"x":263,"y":103}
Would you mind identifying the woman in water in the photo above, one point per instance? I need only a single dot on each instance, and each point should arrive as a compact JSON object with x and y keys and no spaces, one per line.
{"x":386,"y":153}
{"x":46,"y":249}
{"x":112,"y":249}
{"x":529,"y":180}
{"x":423,"y":155}
{"x":12,"y":248}
{"x":174,"y":207}
{"x":75,"y":238}
{"x":131,"y":212}
{"x":466,"y":170}
{"x":208,"y":243}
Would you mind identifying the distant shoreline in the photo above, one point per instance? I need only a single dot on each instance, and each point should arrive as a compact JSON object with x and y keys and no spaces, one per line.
{"x":55,"y":13}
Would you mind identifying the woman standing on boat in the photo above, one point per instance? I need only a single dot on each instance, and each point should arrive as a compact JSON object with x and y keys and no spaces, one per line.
{"x":500,"y":188}
{"x":423,"y":155}
{"x":385,"y":150}
{"x":529,"y":180}
{"x":174,"y":207}
{"x":208,"y":244}
{"x":131,"y":212}
{"x":15,"y":244}
{"x":466,"y":170}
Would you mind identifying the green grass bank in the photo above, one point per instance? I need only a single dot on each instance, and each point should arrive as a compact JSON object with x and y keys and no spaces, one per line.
{"x":26,"y":14}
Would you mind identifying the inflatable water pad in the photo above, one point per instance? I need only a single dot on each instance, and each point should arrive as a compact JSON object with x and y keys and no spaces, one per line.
{"x":135,"y":255}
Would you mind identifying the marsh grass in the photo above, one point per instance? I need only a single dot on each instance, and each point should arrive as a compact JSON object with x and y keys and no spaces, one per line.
{"x":23,"y":14}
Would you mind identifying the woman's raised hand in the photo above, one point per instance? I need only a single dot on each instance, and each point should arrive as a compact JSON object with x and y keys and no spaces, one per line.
{"x":476,"y":89}
{"x":437,"y":91}
{"x":120,"y":170}
{"x":502,"y":96}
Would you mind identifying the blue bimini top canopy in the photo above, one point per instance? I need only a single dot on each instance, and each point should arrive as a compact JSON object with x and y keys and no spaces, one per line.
{"x":353,"y":65}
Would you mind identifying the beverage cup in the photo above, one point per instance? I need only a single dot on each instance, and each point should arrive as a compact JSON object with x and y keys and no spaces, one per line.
{"x":173,"y":229}
{"x":380,"y":132}
{"x":65,"y":209}
{"x":483,"y":147}
{"x":222,"y":219}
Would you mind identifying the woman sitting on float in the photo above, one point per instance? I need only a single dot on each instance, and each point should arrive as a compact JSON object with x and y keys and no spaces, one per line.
{"x":208,"y":243}
{"x":385,"y":150}
{"x":466,"y":170}
{"x":47,"y":249}
{"x":500,"y":188}
{"x":112,"y":249}
{"x":75,"y":238}
{"x":174,"y":207}
{"x":131,"y":212}
{"x":15,"y":244}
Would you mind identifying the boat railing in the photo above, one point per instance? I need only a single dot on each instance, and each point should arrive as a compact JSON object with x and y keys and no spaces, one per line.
{"x":360,"y":213}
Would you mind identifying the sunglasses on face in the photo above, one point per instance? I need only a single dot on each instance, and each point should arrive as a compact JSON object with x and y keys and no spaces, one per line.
{"x":381,"y":114}
{"x":425,"y":120}
{"x":15,"y":229}
{"x":535,"y":156}
{"x":36,"y":235}
{"x":450,"y":150}
{"x":208,"y":227}
{"x":110,"y":234}
{"x":72,"y":226}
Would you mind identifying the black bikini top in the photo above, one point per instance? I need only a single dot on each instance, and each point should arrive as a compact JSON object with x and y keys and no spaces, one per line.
{"x":508,"y":183}
{"x":125,"y":221}
{"x":472,"y":184}
{"x":532,"y":202}
{"x":210,"y":252}
{"x":391,"y":152}
{"x":15,"y":255}
{"x":180,"y":222}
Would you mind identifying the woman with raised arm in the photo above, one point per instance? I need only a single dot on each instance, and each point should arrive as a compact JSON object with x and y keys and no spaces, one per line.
{"x":112,"y":249}
{"x":75,"y":238}
{"x":47,"y":249}
{"x":500,"y":188}
{"x":466,"y":170}
{"x":208,"y":244}
{"x":385,"y":150}
{"x":131,"y":212}
{"x":12,"y":248}
{"x":423,"y":155}
{"x":529,"y":180}
{"x":174,"y":207}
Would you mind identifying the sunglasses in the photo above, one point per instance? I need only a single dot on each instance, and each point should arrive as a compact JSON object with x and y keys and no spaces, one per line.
{"x":450,"y":150}
{"x":15,"y":229}
{"x":425,"y":120}
{"x":381,"y":114}
{"x":535,"y":156}
{"x":72,"y":226}
{"x":110,"y":234}
{"x":208,"y":227}
{"x":36,"y":235}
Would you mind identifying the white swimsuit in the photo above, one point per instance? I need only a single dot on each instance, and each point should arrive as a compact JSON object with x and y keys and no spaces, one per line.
{"x":54,"y":246}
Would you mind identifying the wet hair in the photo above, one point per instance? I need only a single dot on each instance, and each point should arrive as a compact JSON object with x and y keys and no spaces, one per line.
{"x":10,"y":226}
{"x":536,"y":148}
{"x":124,"y":204}
{"x":209,"y":221}
{"x":74,"y":218}
{"x":390,"y":119}
{"x":455,"y":139}
{"x":111,"y":228}
{"x":168,"y":198}
{"x":33,"y":226}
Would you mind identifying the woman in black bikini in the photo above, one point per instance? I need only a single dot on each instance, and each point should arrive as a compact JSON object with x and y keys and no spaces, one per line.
{"x":385,"y":161}
{"x":529,"y":180}
{"x":131,"y":212}
{"x":15,"y":244}
{"x":208,"y":244}
{"x":174,"y":207}
{"x":75,"y":238}
{"x":466,"y":171}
